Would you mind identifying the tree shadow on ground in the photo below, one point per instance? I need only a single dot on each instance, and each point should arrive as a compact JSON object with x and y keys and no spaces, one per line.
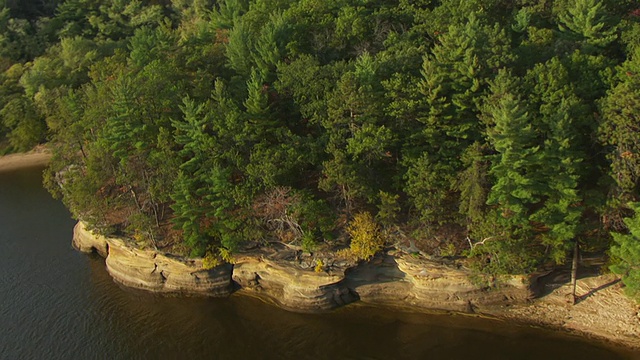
{"x":591,"y":292}
{"x":561,"y":276}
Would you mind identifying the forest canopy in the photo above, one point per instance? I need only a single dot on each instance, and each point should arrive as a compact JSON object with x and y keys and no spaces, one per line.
{"x":502,"y":131}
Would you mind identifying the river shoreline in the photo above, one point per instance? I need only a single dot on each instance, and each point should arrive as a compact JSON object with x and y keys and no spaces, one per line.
{"x":396,"y":281}
{"x":39,"y":156}
{"x":603,"y":312}
{"x":111,"y":302}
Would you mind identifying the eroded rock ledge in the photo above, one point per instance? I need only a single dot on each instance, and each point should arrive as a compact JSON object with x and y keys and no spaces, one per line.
{"x":394,"y":278}
{"x":151,"y":270}
{"x":289,"y":286}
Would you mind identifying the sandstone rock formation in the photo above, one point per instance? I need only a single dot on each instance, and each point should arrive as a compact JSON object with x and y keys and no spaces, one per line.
{"x":439,"y":286}
{"x":291,"y":287}
{"x":397,"y":279}
{"x":88,"y":242}
{"x":152,"y":270}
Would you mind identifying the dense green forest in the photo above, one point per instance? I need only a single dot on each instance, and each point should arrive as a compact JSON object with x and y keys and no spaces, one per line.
{"x":502,"y":132}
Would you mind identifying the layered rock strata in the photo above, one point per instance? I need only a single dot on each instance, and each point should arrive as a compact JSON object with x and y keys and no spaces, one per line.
{"x":152,"y":270}
{"x":396,"y":279}
{"x":443,"y":286}
{"x":404,"y":280}
{"x":289,"y":286}
{"x":393,"y":279}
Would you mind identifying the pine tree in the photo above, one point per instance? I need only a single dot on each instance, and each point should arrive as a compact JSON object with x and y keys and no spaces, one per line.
{"x":562,"y":210}
{"x":560,"y":119}
{"x":474,"y":185}
{"x":228,"y":13}
{"x":454,"y":78}
{"x":203,"y":193}
{"x":239,"y":49}
{"x":516,"y":165}
{"x":357,"y":140}
{"x":626,"y":254}
{"x":619,"y":128}
{"x":270,"y":45}
{"x":587,"y":20}
{"x":536,"y":169}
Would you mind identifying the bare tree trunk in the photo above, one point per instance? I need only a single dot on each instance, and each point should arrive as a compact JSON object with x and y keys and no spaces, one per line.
{"x":153,"y":239}
{"x":84,"y":155}
{"x":135,"y":198}
{"x":154,"y":204}
{"x":574,"y":271}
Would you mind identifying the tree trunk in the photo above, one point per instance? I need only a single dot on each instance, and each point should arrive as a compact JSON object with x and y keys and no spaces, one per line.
{"x":135,"y":198}
{"x":574,"y":272}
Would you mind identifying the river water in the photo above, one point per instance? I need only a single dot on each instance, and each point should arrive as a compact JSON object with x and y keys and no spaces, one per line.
{"x":56,"y":303}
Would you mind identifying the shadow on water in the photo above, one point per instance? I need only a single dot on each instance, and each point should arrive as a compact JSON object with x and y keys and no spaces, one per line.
{"x":60,"y":304}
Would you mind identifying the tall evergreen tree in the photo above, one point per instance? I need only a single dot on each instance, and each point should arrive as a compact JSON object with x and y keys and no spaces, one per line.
{"x":619,"y":129}
{"x":454,"y":78}
{"x":587,"y":21}
{"x":357,"y":140}
{"x":516,"y":166}
{"x":626,"y":254}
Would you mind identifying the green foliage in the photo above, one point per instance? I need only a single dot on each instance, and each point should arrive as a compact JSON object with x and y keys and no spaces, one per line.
{"x":626,"y":254}
{"x":514,"y":167}
{"x":537,"y":167}
{"x":239,"y":49}
{"x":308,"y":243}
{"x":226,"y":255}
{"x":228,"y":12}
{"x":510,"y":123}
{"x":454,"y":78}
{"x":201,"y":191}
{"x":25,"y":128}
{"x":448,"y":250}
{"x":388,"y":208}
{"x":210,"y":261}
{"x":587,"y":20}
{"x":618,"y":129}
{"x":473,"y":184}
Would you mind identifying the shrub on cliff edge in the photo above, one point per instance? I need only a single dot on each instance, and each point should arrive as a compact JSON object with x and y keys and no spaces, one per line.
{"x":366,"y":238}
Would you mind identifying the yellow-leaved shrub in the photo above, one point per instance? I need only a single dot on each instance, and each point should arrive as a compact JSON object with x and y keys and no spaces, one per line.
{"x":366,"y":238}
{"x":209,"y":261}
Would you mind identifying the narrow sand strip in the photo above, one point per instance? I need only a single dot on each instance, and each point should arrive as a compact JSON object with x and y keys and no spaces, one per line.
{"x":37,"y":157}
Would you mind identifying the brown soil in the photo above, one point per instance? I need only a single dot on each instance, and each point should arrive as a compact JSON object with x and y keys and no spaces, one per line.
{"x":602,"y":310}
{"x":39,"y":156}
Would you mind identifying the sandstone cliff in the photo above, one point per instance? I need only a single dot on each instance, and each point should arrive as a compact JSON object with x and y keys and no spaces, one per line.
{"x":289,"y":286}
{"x":394,"y":278}
{"x":436,"y":285}
{"x":152,"y":270}
{"x":88,"y":242}
{"x":397,"y":279}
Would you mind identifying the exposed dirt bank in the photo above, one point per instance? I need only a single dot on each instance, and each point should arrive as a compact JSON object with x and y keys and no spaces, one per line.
{"x":39,"y":156}
{"x":602,"y":311}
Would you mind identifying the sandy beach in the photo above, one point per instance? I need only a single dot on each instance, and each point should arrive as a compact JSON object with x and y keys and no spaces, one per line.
{"x":602,"y":311}
{"x":39,"y":156}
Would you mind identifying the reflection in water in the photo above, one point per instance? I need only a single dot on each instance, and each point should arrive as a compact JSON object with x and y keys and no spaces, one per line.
{"x":58,"y":303}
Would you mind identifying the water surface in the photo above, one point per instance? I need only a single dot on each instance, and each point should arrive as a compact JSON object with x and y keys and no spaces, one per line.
{"x":56,"y":303}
